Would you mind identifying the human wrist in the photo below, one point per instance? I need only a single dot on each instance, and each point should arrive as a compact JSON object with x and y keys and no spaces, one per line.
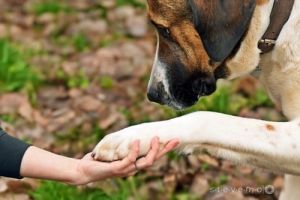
{"x":74,"y":175}
{"x":78,"y":175}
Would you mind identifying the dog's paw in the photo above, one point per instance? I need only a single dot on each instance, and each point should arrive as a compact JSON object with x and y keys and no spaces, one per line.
{"x":117,"y":145}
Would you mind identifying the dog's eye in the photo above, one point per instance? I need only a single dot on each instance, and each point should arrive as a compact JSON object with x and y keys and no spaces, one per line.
{"x":165,"y":32}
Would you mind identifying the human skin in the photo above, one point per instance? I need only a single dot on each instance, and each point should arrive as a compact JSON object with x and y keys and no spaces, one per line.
{"x":41,"y":164}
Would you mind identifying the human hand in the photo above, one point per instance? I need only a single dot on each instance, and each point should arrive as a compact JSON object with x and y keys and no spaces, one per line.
{"x":90,"y":170}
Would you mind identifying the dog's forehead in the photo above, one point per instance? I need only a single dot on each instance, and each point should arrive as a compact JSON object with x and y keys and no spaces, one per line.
{"x":165,"y":12}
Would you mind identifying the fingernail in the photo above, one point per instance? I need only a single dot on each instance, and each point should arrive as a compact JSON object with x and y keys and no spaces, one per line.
{"x":93,"y":155}
{"x":177,"y":143}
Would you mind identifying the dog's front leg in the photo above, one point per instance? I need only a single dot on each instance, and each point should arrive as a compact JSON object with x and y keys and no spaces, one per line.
{"x":272,"y":145}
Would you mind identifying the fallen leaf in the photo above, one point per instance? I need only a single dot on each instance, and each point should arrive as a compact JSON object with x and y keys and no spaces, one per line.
{"x":199,"y":186}
{"x":208,"y":159}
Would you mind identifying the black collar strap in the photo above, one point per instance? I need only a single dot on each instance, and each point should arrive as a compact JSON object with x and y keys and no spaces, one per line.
{"x":279,"y":16}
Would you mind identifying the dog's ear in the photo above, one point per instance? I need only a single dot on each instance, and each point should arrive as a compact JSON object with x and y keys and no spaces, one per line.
{"x":221,"y":24}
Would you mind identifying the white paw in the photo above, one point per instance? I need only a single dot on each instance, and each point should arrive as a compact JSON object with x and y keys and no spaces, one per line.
{"x":117,"y":145}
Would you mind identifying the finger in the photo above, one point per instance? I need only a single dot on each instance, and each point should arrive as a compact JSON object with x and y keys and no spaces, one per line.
{"x":132,"y":156}
{"x":148,"y":161}
{"x":154,"y":154}
{"x":133,"y":173}
{"x":171,"y":145}
{"x":128,"y":171}
{"x":89,"y":157}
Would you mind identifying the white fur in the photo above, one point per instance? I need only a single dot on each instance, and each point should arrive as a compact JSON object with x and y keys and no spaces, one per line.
{"x":281,"y":77}
{"x":158,"y":73}
{"x":240,"y":139}
{"x":248,"y":56}
{"x":270,"y":145}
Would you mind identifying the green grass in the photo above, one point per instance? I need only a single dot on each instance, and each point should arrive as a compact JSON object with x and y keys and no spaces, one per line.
{"x":226,"y":101}
{"x":122,"y":189}
{"x":58,"y":191}
{"x":135,"y":3}
{"x":50,"y":6}
{"x":106,"y":82}
{"x":111,"y":39}
{"x":80,"y":42}
{"x":80,"y":142}
{"x":260,"y":98}
{"x":184,"y":196}
{"x":204,"y":167}
{"x":78,"y":80}
{"x":223,"y":101}
{"x":219,"y":181}
{"x":223,"y":179}
{"x":15,"y":73}
{"x":11,"y":119}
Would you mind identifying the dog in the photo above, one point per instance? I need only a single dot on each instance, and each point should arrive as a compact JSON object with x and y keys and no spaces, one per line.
{"x":202,"y":41}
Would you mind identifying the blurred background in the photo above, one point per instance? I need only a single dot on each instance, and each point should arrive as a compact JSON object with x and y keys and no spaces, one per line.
{"x":73,"y":71}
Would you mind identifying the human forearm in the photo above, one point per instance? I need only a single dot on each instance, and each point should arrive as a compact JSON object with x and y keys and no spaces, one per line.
{"x":41,"y":164}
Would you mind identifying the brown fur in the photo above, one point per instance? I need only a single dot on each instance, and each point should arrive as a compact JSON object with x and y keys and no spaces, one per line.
{"x":177,"y":17}
{"x":188,"y":39}
{"x":261,"y":2}
{"x":270,"y":127}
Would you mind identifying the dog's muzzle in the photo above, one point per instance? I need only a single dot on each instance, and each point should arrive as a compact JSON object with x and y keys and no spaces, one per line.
{"x":158,"y":94}
{"x":183,"y":95}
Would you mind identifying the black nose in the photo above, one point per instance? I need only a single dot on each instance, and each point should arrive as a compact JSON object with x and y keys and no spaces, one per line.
{"x":204,"y":86}
{"x":153,"y":95}
{"x":157,"y":94}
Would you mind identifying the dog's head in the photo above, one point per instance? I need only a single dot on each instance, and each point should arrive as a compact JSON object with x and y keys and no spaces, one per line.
{"x":195,"y":38}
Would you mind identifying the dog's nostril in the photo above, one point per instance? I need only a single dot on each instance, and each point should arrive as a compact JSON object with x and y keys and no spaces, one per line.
{"x":153,"y":95}
{"x":196,"y":85}
{"x":203,"y":86}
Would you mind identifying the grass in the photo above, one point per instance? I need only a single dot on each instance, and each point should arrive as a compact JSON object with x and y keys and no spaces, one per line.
{"x":81,"y":42}
{"x":78,"y":80}
{"x":50,"y":6}
{"x":134,"y":3}
{"x":220,"y":181}
{"x":11,"y":119}
{"x":123,"y":189}
{"x":106,"y":82}
{"x":260,"y":98}
{"x":204,"y":167}
{"x":15,"y":73}
{"x":133,"y":120}
{"x":58,"y":191}
{"x":111,"y":39}
{"x":225,"y":100}
{"x":80,"y":142}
